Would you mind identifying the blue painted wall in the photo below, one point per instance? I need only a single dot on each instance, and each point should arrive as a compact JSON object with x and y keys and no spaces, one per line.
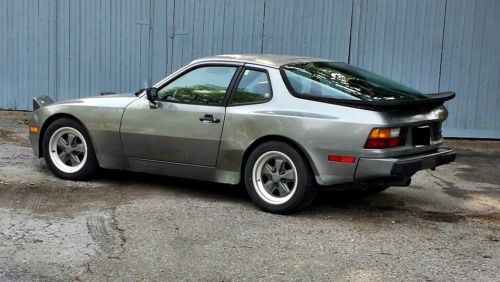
{"x":67,"y":49}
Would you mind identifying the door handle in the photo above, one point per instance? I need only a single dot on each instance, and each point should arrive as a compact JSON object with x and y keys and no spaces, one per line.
{"x":209,"y":119}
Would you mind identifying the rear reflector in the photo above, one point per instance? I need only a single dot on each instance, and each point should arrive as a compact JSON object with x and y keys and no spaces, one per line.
{"x":342,"y":159}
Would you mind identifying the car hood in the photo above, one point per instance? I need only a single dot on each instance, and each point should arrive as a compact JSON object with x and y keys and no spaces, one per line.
{"x":107,"y":101}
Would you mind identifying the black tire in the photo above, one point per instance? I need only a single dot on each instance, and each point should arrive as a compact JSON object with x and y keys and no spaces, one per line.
{"x":305,"y":190}
{"x":88,"y":167}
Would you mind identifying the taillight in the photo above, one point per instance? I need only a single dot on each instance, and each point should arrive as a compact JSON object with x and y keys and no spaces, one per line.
{"x":381,"y":138}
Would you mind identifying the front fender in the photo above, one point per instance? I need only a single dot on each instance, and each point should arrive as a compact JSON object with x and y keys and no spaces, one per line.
{"x":100,"y":116}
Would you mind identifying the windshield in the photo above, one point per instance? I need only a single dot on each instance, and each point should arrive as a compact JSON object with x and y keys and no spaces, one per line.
{"x":329,"y":80}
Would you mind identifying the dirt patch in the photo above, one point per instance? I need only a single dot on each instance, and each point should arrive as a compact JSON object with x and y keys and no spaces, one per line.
{"x":457,"y":192}
{"x":19,"y":115}
{"x":490,"y":217}
{"x":13,"y":137}
{"x":64,"y":200}
{"x":484,"y":169}
{"x":480,"y":145}
{"x":483,"y":154}
{"x":441,"y":216}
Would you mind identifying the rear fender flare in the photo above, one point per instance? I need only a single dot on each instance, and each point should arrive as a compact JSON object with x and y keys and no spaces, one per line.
{"x":287,"y":140}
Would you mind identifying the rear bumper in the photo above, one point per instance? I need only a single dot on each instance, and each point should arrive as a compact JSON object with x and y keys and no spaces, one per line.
{"x":406,"y":166}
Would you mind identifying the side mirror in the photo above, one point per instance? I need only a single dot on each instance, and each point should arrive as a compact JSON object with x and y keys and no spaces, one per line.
{"x":152,"y":94}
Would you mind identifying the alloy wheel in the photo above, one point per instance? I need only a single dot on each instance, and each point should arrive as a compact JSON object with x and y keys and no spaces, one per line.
{"x":68,"y":149}
{"x":275,"y":177}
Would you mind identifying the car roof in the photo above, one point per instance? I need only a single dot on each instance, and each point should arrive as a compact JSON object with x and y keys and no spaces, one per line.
{"x":268,"y":60}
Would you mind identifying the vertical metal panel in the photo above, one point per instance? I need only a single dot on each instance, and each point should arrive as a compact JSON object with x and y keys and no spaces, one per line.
{"x":246,"y":36}
{"x":471,"y":66}
{"x":25,"y":55}
{"x":400,"y":39}
{"x":312,"y":28}
{"x":63,"y":52}
{"x":69,"y":49}
{"x":3,"y":52}
{"x":122,"y":45}
{"x":163,"y":33}
{"x":204,"y":28}
{"x":22,"y":52}
{"x":183,"y":33}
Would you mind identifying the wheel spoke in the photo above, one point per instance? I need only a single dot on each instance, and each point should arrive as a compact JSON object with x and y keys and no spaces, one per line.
{"x":268,"y":170}
{"x":283,"y":189}
{"x":80,"y":148}
{"x":269,"y":186}
{"x":74,"y":160}
{"x":63,"y":156}
{"x":277,"y":164}
{"x":71,"y":138}
{"x":288,"y":175}
{"x":61,"y":144}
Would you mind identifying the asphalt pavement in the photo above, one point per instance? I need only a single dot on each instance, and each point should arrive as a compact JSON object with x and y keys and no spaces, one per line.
{"x":126,"y":226}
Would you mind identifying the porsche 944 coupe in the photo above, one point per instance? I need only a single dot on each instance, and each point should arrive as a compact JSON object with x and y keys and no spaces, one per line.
{"x":285,"y":126}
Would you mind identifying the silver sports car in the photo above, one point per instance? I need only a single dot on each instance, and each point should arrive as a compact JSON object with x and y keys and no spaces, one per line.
{"x":283,"y":125}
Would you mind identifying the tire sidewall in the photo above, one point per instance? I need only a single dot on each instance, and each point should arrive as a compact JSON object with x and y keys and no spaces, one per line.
{"x":90,"y":166}
{"x":305,"y":182}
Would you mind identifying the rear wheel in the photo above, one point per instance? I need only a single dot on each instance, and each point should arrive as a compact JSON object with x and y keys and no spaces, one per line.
{"x":278,"y":178}
{"x":68,"y":151}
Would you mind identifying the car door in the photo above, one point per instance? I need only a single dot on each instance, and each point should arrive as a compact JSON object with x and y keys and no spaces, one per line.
{"x":185,"y":125}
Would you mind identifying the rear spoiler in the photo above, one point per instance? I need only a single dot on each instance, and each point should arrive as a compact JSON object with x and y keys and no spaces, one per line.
{"x":434,"y":100}
{"x":442,"y":96}
{"x":41,"y":101}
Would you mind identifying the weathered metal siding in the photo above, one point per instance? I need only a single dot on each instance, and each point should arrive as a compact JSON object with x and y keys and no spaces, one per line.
{"x":27,"y":58}
{"x":100,"y":45}
{"x":400,"y":39}
{"x":471,"y":66}
{"x":69,"y":49}
{"x":318,"y":28}
{"x":204,"y":28}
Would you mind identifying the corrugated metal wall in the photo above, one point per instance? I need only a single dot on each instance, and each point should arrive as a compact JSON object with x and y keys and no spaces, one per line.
{"x":399,"y":39}
{"x":69,"y":49}
{"x":471,"y":66}
{"x":318,"y":28}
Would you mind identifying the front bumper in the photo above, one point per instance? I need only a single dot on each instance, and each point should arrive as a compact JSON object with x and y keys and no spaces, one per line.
{"x":34,"y":137}
{"x":406,"y":166}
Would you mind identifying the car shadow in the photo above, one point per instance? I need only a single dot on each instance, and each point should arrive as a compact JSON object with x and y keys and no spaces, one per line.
{"x":327,"y":199}
{"x":195,"y":188}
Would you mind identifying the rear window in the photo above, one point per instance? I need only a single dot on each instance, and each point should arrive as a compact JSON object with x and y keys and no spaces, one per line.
{"x":254,"y":87}
{"x":329,"y":80}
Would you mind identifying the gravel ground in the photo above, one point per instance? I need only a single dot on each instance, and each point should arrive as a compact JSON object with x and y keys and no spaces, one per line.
{"x":126,"y":226}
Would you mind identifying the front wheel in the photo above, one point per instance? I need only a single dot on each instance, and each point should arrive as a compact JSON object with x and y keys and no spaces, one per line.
{"x":278,"y":178}
{"x":68,"y":151}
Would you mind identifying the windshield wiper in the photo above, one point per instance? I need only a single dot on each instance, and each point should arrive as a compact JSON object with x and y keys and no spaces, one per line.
{"x":107,"y":93}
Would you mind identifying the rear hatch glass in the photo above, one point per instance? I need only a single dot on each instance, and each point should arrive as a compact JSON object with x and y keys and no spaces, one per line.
{"x":331,"y":80}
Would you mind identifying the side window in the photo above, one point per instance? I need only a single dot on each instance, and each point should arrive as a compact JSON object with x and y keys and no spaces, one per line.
{"x":204,"y":85}
{"x":254,"y":87}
